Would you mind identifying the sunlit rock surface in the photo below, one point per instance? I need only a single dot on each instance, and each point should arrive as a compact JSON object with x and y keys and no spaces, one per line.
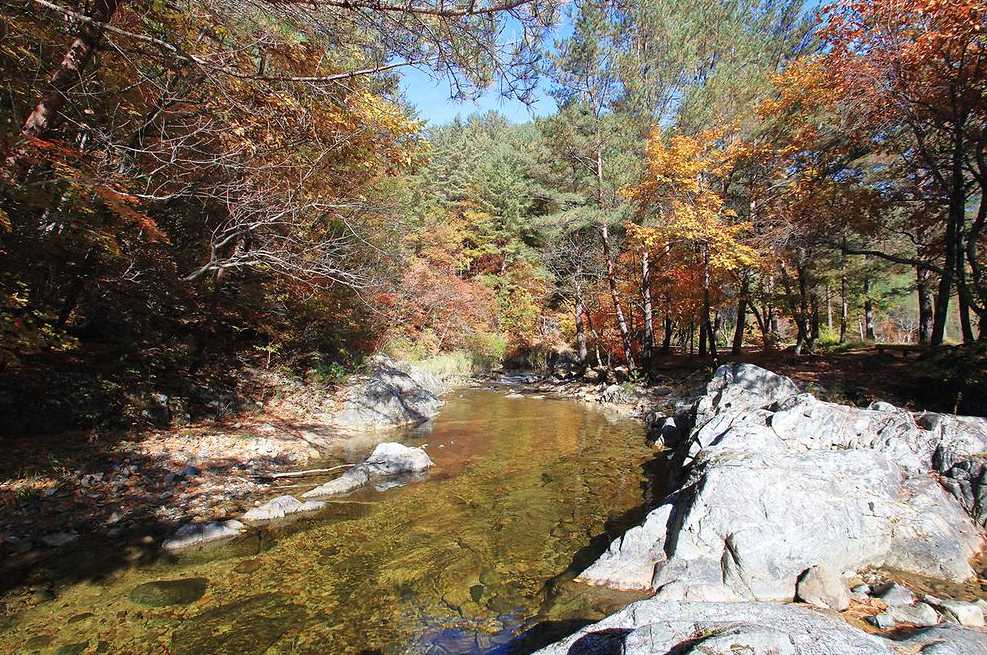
{"x":780,"y":482}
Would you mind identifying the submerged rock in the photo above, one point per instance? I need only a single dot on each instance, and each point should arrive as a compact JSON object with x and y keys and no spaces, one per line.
{"x":387,"y":460}
{"x":191,"y":534}
{"x":247,"y":627}
{"x":169,"y":592}
{"x":280,"y":507}
{"x":57,"y":539}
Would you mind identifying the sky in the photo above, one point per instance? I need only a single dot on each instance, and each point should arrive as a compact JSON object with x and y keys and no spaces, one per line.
{"x":431,"y":97}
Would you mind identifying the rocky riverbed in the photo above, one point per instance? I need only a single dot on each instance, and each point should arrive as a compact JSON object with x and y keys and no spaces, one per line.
{"x":785,"y":503}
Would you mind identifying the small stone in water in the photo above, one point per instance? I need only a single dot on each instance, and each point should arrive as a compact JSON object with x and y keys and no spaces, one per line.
{"x":169,"y":592}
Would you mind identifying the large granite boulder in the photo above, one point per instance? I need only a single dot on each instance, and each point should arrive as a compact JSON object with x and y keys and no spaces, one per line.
{"x":655,"y":627}
{"x":388,"y":460}
{"x":747,"y":525}
{"x":779,"y":482}
{"x":391,"y":394}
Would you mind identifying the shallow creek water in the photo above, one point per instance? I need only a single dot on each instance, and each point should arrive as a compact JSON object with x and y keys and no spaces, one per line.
{"x":478,"y":558}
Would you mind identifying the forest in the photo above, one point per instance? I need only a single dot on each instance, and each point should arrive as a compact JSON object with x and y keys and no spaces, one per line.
{"x":194,"y":188}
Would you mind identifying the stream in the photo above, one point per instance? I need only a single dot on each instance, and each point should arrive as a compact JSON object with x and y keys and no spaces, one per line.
{"x":478,"y":558}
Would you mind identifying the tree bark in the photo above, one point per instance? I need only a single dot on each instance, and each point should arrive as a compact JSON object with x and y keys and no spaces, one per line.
{"x":925,"y":311}
{"x":963,"y":291}
{"x":844,"y":302}
{"x":705,"y":330}
{"x":954,"y":224}
{"x":581,"y":350}
{"x":666,"y":343}
{"x":649,"y":322}
{"x":625,"y":333}
{"x":868,"y":312}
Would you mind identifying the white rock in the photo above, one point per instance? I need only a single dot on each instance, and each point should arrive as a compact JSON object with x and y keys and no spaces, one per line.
{"x":895,"y":594}
{"x":394,"y":459}
{"x":821,"y":587}
{"x":945,"y":639}
{"x":747,"y":525}
{"x":780,"y":482}
{"x":391,"y":394}
{"x":653,"y":627}
{"x":955,"y":611}
{"x":920,"y":614}
{"x":387,"y":459}
{"x":198,"y":533}
{"x":280,"y":507}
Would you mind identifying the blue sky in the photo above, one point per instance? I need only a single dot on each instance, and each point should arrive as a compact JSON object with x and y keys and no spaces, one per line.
{"x":431,"y":97}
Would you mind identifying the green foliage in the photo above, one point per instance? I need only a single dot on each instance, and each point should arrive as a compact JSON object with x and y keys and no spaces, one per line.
{"x":324,"y":374}
{"x":487,"y":350}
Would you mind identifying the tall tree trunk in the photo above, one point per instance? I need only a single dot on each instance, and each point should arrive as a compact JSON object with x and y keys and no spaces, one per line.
{"x":963,"y":291}
{"x":829,"y":308}
{"x":649,"y":321}
{"x":581,"y":350}
{"x":666,"y":342}
{"x":868,"y":312}
{"x":814,"y":323}
{"x":954,"y":225}
{"x":596,"y":339}
{"x":844,"y":301}
{"x":47,"y":113}
{"x":922,"y":284}
{"x":738,"y":333}
{"x":705,"y":331}
{"x":625,"y":333}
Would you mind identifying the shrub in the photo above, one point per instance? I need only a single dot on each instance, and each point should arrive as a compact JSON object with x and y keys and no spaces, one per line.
{"x":486,"y":349}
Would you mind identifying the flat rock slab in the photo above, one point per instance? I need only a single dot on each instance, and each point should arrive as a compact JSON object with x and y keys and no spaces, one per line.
{"x":192,"y":534}
{"x":387,"y":460}
{"x":280,"y":507}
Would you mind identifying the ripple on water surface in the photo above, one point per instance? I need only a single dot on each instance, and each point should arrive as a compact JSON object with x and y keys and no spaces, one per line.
{"x":478,"y":559}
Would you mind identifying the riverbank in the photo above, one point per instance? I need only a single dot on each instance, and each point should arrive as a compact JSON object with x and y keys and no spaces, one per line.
{"x":147,"y":483}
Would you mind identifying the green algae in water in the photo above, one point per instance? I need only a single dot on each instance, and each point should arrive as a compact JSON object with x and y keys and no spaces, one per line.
{"x":481,"y":556}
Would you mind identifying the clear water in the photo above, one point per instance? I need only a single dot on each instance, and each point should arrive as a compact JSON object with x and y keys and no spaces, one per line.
{"x":478,"y":558}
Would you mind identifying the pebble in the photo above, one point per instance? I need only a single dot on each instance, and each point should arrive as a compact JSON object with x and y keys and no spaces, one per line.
{"x":882,"y":621}
{"x":896,"y":594}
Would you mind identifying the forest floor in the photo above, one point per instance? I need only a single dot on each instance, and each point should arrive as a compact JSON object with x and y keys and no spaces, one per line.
{"x":143,"y":483}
